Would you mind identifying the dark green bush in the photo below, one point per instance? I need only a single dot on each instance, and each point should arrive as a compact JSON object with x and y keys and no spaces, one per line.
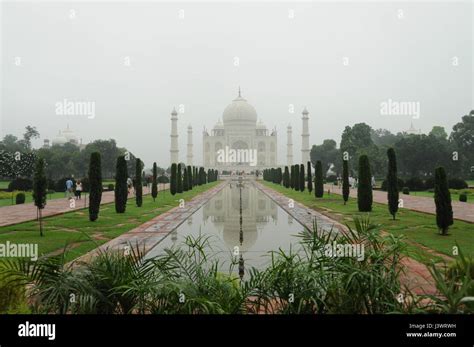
{"x":415,"y":184}
{"x":20,"y":198}
{"x":23,"y":184}
{"x":110,"y":186}
{"x":457,"y":183}
{"x":463,"y":197}
{"x":406,"y":190}
{"x":400,"y":184}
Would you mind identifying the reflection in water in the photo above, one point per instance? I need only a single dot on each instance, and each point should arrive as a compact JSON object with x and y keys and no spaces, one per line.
{"x":240,"y":216}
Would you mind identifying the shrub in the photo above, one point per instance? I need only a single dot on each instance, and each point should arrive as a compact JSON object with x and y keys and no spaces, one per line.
{"x":163,"y":179}
{"x":442,"y":197}
{"x":463,"y":197}
{"x":110,"y":186}
{"x":23,"y":184}
{"x":406,"y":190}
{"x":331,"y":179}
{"x":457,"y":183}
{"x":415,"y":184}
{"x":364,"y":188}
{"x":95,"y":179}
{"x":20,"y":198}
{"x":318,"y":180}
{"x":430,"y":183}
{"x":121,"y":189}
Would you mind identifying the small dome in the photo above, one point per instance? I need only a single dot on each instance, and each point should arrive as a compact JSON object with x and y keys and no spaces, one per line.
{"x":239,"y":112}
{"x":70,"y":136}
{"x":305,"y":111}
{"x":174,"y":113}
{"x":260,"y":125}
{"x":60,"y":139}
{"x":219,"y":125}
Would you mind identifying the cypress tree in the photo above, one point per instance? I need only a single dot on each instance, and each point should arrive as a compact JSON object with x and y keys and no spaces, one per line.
{"x":185,"y":180}
{"x":121,"y":189}
{"x":318,"y":180}
{"x":179,"y":179}
{"x":196,"y":176}
{"x":173,"y":179}
{"x":364,"y":186}
{"x":95,"y":185}
{"x":39,"y":191}
{"x":286,"y":178}
{"x":302,"y":181}
{"x":442,"y":197}
{"x":345,"y":180}
{"x":280,"y":175}
{"x":310,"y":178}
{"x":297,"y":177}
{"x":190,"y":178}
{"x":292,"y":177}
{"x":392,"y":183}
{"x":154,"y":184}
{"x":138,"y":182}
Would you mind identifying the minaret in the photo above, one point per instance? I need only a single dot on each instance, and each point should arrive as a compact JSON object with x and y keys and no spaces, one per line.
{"x":174,"y":150}
{"x":289,"y":146}
{"x":189,"y":156}
{"x":305,"y":138}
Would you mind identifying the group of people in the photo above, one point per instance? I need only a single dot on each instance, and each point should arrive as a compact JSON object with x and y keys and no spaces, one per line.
{"x":353,"y":182}
{"x":72,"y":190}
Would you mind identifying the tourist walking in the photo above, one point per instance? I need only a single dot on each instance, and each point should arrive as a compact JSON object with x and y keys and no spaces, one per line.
{"x":69,"y":188}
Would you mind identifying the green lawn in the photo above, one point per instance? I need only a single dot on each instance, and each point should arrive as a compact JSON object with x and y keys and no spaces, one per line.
{"x":418,"y":228}
{"x":4,"y":184}
{"x":74,"y":228}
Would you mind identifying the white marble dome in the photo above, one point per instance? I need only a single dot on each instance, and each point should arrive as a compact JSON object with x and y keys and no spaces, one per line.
{"x":60,"y":139}
{"x":239,"y":112}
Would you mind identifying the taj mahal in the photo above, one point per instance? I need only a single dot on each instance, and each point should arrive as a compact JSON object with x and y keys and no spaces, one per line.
{"x":239,"y":141}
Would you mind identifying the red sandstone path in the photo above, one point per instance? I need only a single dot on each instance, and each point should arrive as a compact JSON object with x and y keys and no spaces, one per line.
{"x":462,"y":210}
{"x":15,"y":214}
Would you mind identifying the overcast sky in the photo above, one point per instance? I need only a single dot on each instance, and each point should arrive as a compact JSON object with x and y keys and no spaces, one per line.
{"x":340,"y":60}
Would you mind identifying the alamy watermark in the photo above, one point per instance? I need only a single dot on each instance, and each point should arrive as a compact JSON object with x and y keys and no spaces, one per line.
{"x":19,"y":250}
{"x":230,"y":155}
{"x":67,"y":107}
{"x":400,"y":108}
{"x":343,"y":250}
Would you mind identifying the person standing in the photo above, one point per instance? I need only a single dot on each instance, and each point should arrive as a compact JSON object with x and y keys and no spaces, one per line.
{"x":78,"y":190}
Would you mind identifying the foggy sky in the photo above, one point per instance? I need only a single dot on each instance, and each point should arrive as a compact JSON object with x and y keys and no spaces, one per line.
{"x":190,"y":61}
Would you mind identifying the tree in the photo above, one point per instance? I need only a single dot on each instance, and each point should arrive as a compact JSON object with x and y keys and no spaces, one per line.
{"x":442,"y":197}
{"x":173,"y":183}
{"x":185,"y":180}
{"x":121,"y":189}
{"x":297,"y":177}
{"x":328,"y":154}
{"x":179,"y":179}
{"x":286,"y":178}
{"x":462,"y":136}
{"x":95,"y":186}
{"x":345,"y":181}
{"x":39,"y":191}
{"x":392,"y":183}
{"x":318,"y":180}
{"x":310,"y":179}
{"x":190,"y":178}
{"x":364,"y":187}
{"x":154,"y":183}
{"x":292,"y":177}
{"x":138,"y":183}
{"x":302,"y":181}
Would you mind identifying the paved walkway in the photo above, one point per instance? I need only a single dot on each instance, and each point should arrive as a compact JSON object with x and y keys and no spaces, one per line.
{"x":462,"y":210}
{"x":149,"y":234}
{"x":15,"y":214}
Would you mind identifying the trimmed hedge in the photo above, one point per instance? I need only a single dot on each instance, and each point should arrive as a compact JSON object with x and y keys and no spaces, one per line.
{"x":23,"y":184}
